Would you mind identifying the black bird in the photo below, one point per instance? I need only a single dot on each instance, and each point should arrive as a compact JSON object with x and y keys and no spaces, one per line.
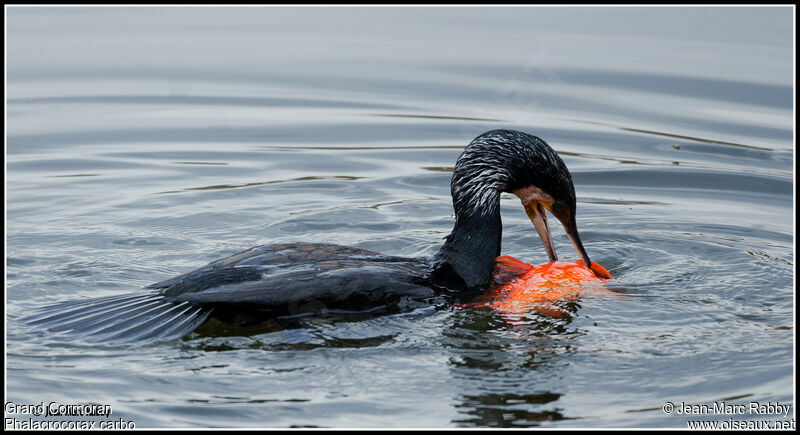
{"x":287,"y":281}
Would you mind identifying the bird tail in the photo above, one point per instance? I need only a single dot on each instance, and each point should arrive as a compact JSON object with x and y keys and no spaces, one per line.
{"x":132,"y":317}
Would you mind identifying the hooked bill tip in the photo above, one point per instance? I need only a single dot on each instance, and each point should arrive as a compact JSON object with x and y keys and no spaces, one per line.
{"x":599,"y":271}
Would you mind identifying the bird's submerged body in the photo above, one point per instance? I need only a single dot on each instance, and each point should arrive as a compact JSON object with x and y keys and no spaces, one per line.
{"x":288,"y":281}
{"x":329,"y":277}
{"x":276,"y":283}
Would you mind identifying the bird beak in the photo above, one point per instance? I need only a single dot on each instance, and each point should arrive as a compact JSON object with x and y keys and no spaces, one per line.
{"x":536,"y":212}
{"x":538,"y":216}
{"x":571,"y":228}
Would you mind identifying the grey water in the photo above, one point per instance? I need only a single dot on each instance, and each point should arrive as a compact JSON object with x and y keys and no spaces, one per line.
{"x":145,"y":142}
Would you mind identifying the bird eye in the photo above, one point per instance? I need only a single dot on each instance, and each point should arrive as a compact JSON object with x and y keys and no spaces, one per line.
{"x":556,"y":206}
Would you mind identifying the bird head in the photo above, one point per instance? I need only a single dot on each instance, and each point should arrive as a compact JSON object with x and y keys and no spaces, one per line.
{"x":525,"y":165}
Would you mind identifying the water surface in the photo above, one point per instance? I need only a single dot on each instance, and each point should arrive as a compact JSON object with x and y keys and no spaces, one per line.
{"x":146,"y":142}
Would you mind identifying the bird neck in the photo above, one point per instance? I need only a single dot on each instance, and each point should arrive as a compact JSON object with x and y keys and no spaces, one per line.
{"x":474,"y":243}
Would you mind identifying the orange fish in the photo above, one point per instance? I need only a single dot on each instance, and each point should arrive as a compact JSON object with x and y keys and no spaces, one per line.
{"x":519,"y":288}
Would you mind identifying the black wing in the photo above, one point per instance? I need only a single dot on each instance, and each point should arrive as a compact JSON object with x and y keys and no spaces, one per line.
{"x":265,"y":281}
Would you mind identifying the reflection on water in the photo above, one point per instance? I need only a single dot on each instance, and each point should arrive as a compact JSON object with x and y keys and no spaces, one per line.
{"x":509,"y":356}
{"x":145,"y":142}
{"x":494,"y":410}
